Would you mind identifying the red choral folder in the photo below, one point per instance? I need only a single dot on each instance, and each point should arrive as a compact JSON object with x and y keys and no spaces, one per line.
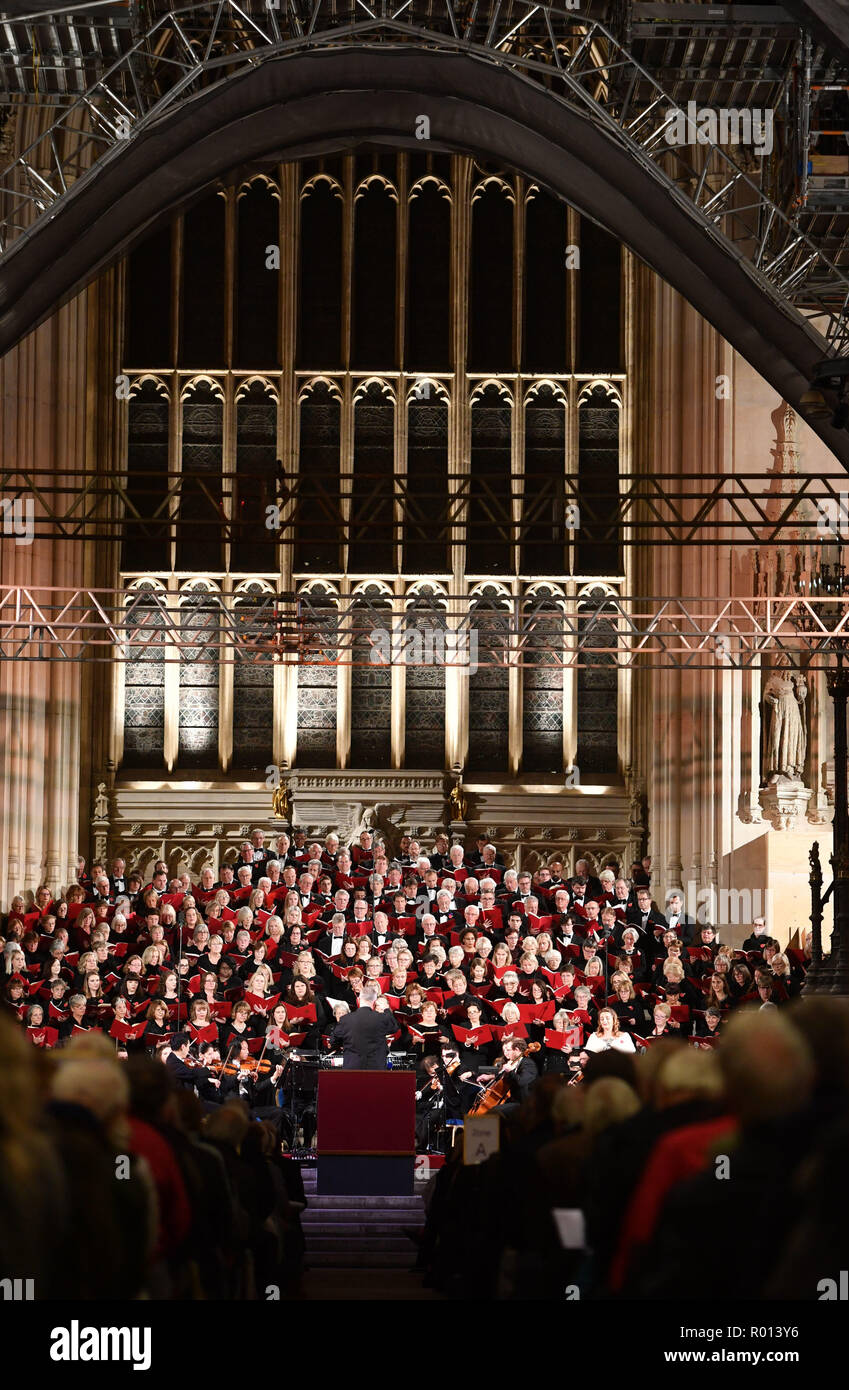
{"x":300,"y":1012}
{"x":472,"y":1037}
{"x":259,"y":1004}
{"x":510,"y":1030}
{"x":559,"y":1042}
{"x":208,"y":1033}
{"x":538,"y":924}
{"x":127,"y":1032}
{"x":404,"y":926}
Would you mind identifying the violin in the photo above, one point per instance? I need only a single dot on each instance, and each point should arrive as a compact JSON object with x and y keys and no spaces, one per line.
{"x":255,"y":1066}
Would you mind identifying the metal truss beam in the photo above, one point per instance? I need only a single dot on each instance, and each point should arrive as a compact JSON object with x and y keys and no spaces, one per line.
{"x":630,"y":633}
{"x":579,"y":66}
{"x":674,"y":509}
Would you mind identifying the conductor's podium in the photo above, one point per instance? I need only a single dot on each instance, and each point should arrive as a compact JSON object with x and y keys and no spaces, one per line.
{"x":366,"y":1138}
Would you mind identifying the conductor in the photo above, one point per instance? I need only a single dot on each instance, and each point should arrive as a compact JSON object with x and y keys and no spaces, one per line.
{"x":362,"y":1035}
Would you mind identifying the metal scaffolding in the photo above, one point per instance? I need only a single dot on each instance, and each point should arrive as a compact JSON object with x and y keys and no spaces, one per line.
{"x":600,"y":628}
{"x":111,"y":75}
{"x":293,"y":508}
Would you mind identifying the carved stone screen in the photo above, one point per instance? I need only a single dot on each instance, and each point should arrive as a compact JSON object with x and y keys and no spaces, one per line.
{"x":488,"y":696}
{"x":425,"y":713}
{"x":144,"y":694}
{"x":198,"y":720}
{"x":253,"y":690}
{"x":597,"y":710}
{"x":317,"y":704}
{"x":542,"y":689}
{"x":371,"y":696}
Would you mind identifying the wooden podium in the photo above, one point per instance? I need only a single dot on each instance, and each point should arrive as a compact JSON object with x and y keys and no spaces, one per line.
{"x":366,"y":1138}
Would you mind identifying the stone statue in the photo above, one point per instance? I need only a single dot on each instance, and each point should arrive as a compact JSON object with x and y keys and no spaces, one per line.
{"x":382,"y":820}
{"x":101,"y":803}
{"x":784,"y":750}
{"x":281,"y":806}
{"x":458,"y":803}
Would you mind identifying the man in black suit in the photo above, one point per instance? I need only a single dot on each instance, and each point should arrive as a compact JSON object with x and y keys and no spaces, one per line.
{"x":679,"y":920}
{"x":181,"y":1072}
{"x":646,"y":918}
{"x":246,"y":857}
{"x":440,"y":859}
{"x":261,"y":853}
{"x":758,"y":935}
{"x":330,"y":942}
{"x":362,"y":1035}
{"x":593,"y":884}
{"x":567,"y":933}
{"x":118,"y":877}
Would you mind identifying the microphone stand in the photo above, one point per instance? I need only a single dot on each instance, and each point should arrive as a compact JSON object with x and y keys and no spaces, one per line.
{"x":179,"y":972}
{"x":442,"y":1073}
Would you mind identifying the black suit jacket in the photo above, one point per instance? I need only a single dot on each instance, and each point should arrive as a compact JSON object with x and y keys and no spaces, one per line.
{"x":646,"y":939}
{"x":522,"y":1079}
{"x":183,"y":1075}
{"x":362,"y":1036}
{"x":687,"y":927}
{"x":325,"y":942}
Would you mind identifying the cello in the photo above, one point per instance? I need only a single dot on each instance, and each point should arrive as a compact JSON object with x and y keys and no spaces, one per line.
{"x":497,"y":1091}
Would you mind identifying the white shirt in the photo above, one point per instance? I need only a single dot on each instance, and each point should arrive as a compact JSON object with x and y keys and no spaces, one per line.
{"x":621,"y":1042}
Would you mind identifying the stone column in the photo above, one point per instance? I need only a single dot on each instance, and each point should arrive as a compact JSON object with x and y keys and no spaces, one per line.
{"x":43,"y":428}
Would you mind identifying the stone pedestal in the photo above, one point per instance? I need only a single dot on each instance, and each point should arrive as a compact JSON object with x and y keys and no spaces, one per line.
{"x":458,"y":832}
{"x":785,"y":803}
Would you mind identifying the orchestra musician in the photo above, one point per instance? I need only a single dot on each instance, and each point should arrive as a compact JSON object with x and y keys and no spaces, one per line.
{"x":518,"y":1069}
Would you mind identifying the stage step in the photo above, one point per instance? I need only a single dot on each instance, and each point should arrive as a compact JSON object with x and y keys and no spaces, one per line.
{"x":368,"y":1240}
{"x":332,"y":1201}
{"x":354,"y":1260}
{"x":358,"y":1216}
{"x":358,"y":1232}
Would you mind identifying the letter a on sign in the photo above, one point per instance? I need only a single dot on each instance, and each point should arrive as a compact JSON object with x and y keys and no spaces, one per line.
{"x":481,"y":1138}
